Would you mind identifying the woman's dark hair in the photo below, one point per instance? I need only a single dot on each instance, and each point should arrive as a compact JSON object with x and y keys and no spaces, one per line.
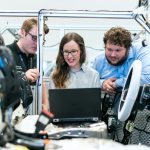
{"x":61,"y":73}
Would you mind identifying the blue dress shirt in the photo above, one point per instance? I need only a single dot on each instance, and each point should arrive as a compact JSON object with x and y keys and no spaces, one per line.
{"x":136,"y":52}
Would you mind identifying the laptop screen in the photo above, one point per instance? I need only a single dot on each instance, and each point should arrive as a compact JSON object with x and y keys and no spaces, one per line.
{"x":75,"y":103}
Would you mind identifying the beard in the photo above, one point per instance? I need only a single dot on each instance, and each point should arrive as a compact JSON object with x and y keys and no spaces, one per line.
{"x":119,"y":62}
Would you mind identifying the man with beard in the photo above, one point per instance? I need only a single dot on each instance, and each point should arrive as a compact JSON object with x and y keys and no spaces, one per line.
{"x":113,"y":66}
{"x":120,"y":52}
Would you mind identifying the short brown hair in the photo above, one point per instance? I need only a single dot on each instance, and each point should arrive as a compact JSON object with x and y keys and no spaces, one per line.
{"x":118,"y":36}
{"x":29,"y":23}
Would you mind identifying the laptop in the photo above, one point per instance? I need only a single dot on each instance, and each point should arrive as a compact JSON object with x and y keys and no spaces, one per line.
{"x":75,"y":105}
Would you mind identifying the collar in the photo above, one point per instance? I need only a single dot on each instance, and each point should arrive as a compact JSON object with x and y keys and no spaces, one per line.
{"x":131,"y":53}
{"x":20,"y":52}
{"x":82,"y":68}
{"x":17,"y":47}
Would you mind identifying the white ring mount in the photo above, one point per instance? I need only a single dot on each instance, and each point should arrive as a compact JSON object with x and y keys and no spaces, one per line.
{"x":130,"y":91}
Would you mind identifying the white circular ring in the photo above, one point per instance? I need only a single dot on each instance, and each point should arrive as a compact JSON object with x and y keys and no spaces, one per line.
{"x":130,"y":91}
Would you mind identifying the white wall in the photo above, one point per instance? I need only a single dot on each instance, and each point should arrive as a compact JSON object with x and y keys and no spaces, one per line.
{"x":123,"y":5}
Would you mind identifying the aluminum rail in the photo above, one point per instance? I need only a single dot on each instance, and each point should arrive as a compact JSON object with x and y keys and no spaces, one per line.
{"x":40,"y":61}
{"x":18,"y":13}
{"x":87,"y":14}
{"x":143,"y":23}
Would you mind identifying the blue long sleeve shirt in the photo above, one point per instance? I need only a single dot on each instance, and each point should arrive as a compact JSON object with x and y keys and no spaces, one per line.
{"x":136,"y":52}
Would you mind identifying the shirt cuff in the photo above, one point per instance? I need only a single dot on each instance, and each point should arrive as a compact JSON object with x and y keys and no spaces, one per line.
{"x":119,"y":83}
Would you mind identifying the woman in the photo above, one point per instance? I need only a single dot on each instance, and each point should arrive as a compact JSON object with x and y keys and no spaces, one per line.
{"x":70,"y":71}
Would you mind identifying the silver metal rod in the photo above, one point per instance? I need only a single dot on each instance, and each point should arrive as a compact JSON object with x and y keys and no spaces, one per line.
{"x":88,"y":14}
{"x":18,"y":13}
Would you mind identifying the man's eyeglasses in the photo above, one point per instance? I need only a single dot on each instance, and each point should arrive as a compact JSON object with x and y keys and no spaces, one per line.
{"x":73,"y":52}
{"x":34,"y":37}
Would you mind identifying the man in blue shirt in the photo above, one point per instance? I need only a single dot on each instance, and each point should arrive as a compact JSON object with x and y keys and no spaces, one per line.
{"x":120,"y":52}
{"x":113,"y":66}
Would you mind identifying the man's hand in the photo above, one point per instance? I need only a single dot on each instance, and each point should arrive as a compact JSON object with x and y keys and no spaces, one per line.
{"x":109,"y":85}
{"x":32,"y":74}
